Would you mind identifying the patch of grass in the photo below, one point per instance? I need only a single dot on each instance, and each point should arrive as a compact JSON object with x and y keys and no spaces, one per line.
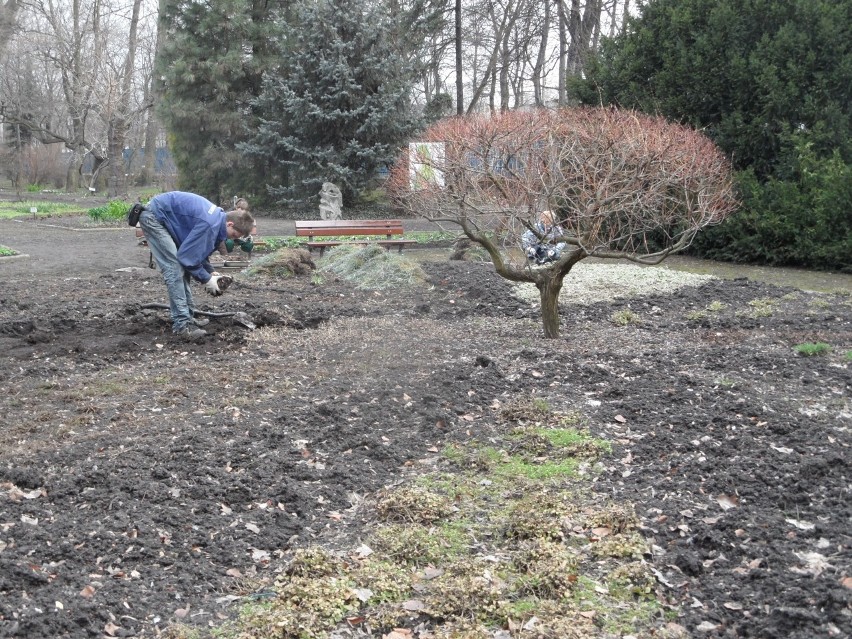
{"x":416,"y":545}
{"x":573,"y":439}
{"x":114,"y":210}
{"x":496,"y":542}
{"x":713,"y":307}
{"x":618,"y":612}
{"x":5,"y":251}
{"x":10,"y":210}
{"x":849,"y":356}
{"x":273,"y":243}
{"x":432,"y":237}
{"x":624,"y":317}
{"x":809,"y":349}
{"x":761,"y":307}
{"x":413,"y":504}
{"x":371,"y":267}
{"x":546,"y":470}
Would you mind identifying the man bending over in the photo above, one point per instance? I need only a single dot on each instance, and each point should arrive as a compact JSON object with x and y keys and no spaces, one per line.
{"x":182,"y":230}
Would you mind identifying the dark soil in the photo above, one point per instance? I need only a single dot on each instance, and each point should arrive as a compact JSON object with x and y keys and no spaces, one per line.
{"x":136,"y":470}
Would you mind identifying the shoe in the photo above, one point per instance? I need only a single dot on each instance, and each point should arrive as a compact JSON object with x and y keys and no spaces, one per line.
{"x":201,"y":322}
{"x":191,"y":333}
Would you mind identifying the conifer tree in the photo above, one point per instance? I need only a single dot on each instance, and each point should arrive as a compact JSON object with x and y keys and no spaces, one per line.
{"x":769,"y":81}
{"x":338,"y":106}
{"x":211,"y":64}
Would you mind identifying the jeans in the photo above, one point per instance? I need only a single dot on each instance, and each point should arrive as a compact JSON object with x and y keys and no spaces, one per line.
{"x":164,"y":250}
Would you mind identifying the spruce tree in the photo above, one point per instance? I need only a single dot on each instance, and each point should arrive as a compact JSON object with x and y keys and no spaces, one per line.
{"x":338,"y":106}
{"x":211,"y":65}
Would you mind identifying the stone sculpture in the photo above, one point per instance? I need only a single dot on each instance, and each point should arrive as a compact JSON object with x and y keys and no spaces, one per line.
{"x":331,"y":201}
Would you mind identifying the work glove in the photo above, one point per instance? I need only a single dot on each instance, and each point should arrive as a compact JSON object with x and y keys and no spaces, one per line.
{"x":212,"y":285}
{"x":229,"y":245}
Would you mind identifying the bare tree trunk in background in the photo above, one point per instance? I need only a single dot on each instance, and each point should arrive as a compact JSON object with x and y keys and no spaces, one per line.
{"x":8,"y":16}
{"x":505,"y":65}
{"x":538,"y":68}
{"x":149,"y":170}
{"x":119,"y":123}
{"x":154,"y":92}
{"x":625,"y":16}
{"x":505,"y":25}
{"x":563,"y":52}
{"x":459,"y":70}
{"x":582,"y":26}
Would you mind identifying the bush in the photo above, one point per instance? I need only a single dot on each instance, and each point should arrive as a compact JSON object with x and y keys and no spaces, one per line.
{"x":801,"y":221}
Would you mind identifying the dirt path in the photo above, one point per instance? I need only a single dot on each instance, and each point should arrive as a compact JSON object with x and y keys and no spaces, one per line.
{"x":138,"y":473}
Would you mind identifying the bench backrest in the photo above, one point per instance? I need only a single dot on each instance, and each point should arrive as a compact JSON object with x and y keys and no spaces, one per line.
{"x":325,"y":228}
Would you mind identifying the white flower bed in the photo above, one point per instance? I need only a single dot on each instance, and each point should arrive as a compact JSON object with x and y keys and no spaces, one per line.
{"x":590,"y":283}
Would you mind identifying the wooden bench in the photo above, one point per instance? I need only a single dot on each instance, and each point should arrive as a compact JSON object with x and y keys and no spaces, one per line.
{"x":336,"y":228}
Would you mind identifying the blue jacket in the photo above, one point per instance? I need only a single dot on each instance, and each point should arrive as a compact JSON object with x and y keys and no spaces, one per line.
{"x":196,"y":225}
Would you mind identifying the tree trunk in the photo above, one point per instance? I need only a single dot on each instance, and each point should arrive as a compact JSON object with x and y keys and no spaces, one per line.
{"x":149,"y":168}
{"x":459,"y":69}
{"x":549,"y":288}
{"x":119,"y":123}
{"x":8,"y":21}
{"x":538,"y":69}
{"x":563,"y":53}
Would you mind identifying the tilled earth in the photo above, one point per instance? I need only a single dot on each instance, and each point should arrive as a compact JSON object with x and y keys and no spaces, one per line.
{"x":139,"y":473}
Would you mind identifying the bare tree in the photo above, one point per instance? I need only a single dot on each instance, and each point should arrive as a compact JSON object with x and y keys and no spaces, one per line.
{"x":121,"y":115}
{"x":78,"y":81}
{"x":8,"y":16}
{"x":624,"y":186}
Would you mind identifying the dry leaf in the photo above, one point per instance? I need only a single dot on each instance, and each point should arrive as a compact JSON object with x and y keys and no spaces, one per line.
{"x":363,"y":594}
{"x":727,"y":501}
{"x":398,"y":633}
{"x":253,"y":528}
{"x":87,"y":592}
{"x":801,"y":525}
{"x":180,"y":613}
{"x":363,"y":551}
{"x":234,"y":572}
{"x":601,"y":532}
{"x":432,"y":573}
{"x":413,"y":605}
{"x":621,"y":419}
{"x":110,"y":628}
{"x":733,"y":605}
{"x":588,"y":614}
{"x":259,"y":555}
{"x":846,"y":582}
